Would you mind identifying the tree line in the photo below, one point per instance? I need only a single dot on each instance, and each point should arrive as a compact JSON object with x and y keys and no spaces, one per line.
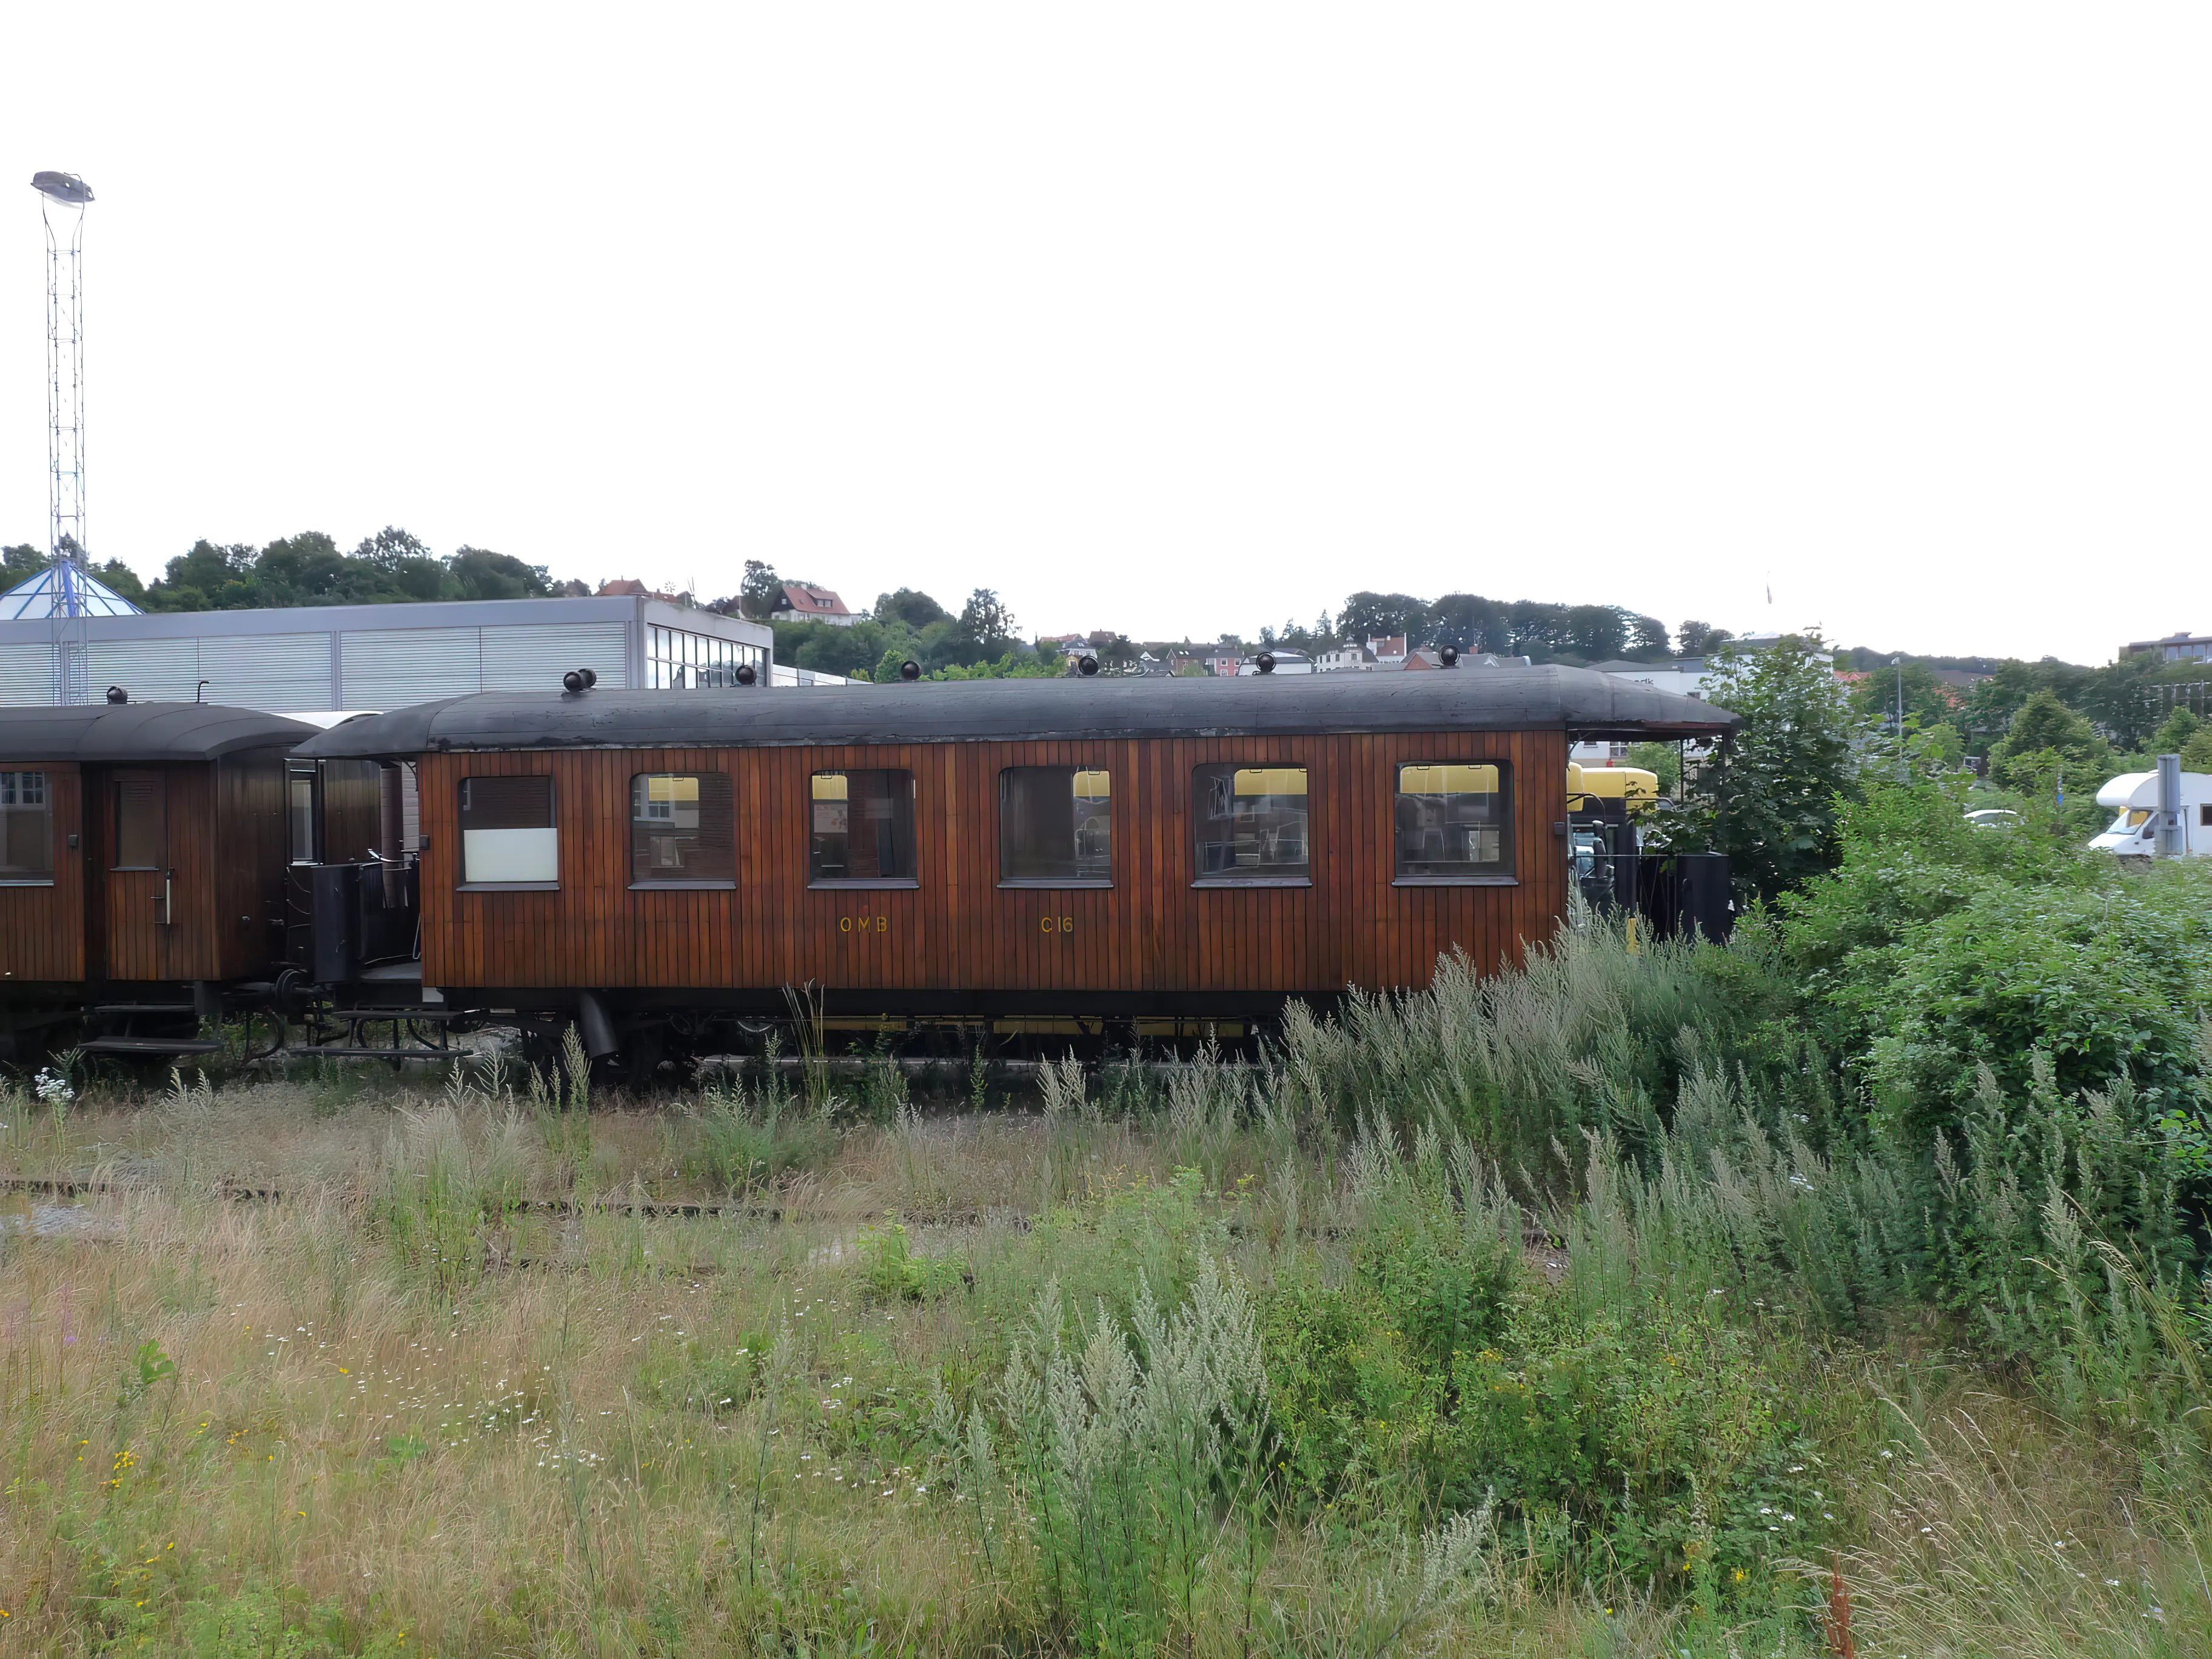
{"x":390,"y":568}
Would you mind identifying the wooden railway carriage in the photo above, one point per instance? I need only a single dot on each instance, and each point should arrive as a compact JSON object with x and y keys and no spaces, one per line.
{"x":142,"y":850}
{"x":1109,"y":849}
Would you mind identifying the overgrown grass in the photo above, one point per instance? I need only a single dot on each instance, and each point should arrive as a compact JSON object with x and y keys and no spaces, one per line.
{"x":1561,"y":1312}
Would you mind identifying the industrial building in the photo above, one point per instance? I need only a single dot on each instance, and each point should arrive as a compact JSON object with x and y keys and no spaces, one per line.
{"x":316,"y":660}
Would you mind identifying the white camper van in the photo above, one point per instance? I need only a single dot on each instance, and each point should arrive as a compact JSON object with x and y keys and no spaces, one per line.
{"x":2133,"y":796}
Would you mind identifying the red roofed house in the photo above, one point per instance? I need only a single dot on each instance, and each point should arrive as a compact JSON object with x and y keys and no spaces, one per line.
{"x":800,"y":603}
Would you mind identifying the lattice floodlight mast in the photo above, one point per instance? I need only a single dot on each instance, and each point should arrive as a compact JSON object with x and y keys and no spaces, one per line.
{"x":62,"y":200}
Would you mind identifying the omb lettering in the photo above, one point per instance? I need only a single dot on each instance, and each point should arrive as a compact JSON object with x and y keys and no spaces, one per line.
{"x":863,"y":924}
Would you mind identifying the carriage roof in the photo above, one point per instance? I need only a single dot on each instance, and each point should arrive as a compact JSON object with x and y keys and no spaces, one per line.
{"x":1469,"y":699}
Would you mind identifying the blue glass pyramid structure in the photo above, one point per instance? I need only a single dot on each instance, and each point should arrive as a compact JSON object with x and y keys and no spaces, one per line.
{"x":64,"y":588}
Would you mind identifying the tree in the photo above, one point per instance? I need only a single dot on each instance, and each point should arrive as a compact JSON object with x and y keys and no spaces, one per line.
{"x":985,"y":621}
{"x":2173,"y":736}
{"x":1770,"y":802}
{"x":911,"y":606}
{"x":2197,"y":753}
{"x":1699,"y":639}
{"x":20,"y":564}
{"x":2044,"y":730}
{"x":1647,"y":636}
{"x":1366,"y":616}
{"x":123,"y":582}
{"x":1597,"y":633}
{"x":1927,"y":699}
{"x":759,"y":590}
{"x":483,"y":574}
{"x":1468,"y":620}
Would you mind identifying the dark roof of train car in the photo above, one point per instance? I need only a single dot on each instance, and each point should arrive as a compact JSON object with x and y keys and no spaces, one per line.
{"x":141,"y":731}
{"x":1476,"y":699}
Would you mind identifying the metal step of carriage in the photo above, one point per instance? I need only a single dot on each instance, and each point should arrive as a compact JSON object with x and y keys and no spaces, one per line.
{"x":149,"y":1045}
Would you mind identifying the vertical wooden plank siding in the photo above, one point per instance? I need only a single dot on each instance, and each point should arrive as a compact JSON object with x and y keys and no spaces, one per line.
{"x":956,"y":929}
{"x":42,"y":928}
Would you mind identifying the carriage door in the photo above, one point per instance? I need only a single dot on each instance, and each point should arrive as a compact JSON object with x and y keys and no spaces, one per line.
{"x":141,"y":884}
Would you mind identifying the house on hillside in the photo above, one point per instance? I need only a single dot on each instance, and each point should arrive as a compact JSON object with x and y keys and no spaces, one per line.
{"x":1346,"y":659}
{"x":799,"y":603}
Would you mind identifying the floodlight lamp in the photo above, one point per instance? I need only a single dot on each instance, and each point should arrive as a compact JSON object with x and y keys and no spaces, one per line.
{"x":64,"y":187}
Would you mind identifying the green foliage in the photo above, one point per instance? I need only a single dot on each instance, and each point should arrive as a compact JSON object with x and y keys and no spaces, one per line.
{"x":749,"y":1142}
{"x":1664,"y":761}
{"x":2045,"y":733}
{"x":893,"y":1272}
{"x":1138,"y":1453}
{"x":154,"y":1365}
{"x":1772,"y":802}
{"x":389,"y":567}
{"x":1928,"y":700}
{"x":2197,"y":753}
{"x":2173,"y":736}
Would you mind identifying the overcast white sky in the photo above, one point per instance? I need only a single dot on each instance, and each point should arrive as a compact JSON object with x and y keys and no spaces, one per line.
{"x":1168,"y":319}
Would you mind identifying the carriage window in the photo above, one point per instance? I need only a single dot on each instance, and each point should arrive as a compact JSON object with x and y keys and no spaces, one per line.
{"x":1454,"y":823}
{"x":1056,"y":827}
{"x":507,"y":835}
{"x":862,"y":828}
{"x":682,"y":829}
{"x":299,"y":813}
{"x":1251,"y":824}
{"x":140,"y":818}
{"x":27,"y":829}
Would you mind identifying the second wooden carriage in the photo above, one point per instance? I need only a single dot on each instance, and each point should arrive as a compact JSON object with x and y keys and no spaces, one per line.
{"x":1082,"y":848}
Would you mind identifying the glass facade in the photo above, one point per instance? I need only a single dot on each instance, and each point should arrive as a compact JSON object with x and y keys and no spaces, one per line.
{"x":682,"y":829}
{"x":1453,"y":823}
{"x":1056,"y":827}
{"x":26,"y":827}
{"x":677,"y":660}
{"x":1250,"y":824}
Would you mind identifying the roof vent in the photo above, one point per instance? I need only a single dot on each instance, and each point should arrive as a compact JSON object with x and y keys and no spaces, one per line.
{"x":1449,"y":656}
{"x":117,"y":694}
{"x":580,"y":679}
{"x":909,"y":670}
{"x":1264,"y":662}
{"x":1086,"y":665}
{"x":746,"y":673}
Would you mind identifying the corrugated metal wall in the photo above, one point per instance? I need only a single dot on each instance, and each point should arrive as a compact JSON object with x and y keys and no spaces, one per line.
{"x":392,"y":667}
{"x":534,"y":659}
{"x":278,"y":671}
{"x":27,"y":674}
{"x":379,"y":668}
{"x":151,"y":671}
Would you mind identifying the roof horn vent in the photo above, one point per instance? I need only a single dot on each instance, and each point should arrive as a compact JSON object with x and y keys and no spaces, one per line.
{"x":1086,"y":665}
{"x":746,"y":673}
{"x":580,"y":679}
{"x":1264,"y":662}
{"x":1449,"y":656}
{"x":909,"y":670}
{"x":118,"y":695}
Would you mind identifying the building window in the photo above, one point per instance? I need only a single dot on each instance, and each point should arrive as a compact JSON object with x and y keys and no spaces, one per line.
{"x":1454,"y":823}
{"x":677,"y":659}
{"x":507,"y":835}
{"x":1251,"y":825}
{"x":682,"y":829}
{"x":1056,"y":827}
{"x":862,"y":829}
{"x":299,"y":813}
{"x":27,"y":829}
{"x":140,"y":821}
